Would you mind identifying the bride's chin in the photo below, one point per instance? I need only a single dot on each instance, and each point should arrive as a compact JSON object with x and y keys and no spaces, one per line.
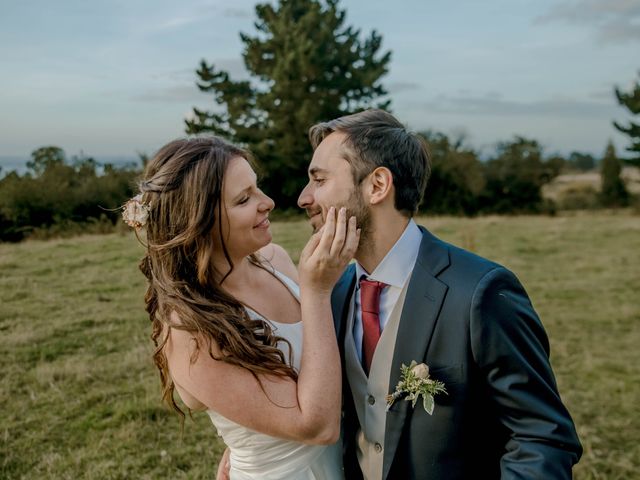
{"x":266,"y":240}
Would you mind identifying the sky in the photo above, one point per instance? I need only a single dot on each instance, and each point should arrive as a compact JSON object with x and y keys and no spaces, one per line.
{"x":115,"y":77}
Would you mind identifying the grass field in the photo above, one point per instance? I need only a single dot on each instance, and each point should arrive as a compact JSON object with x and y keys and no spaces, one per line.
{"x":80,"y":399}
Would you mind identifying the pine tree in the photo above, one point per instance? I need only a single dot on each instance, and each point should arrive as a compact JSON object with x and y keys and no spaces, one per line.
{"x":613,"y":192}
{"x":306,"y":66}
{"x":631,"y":100}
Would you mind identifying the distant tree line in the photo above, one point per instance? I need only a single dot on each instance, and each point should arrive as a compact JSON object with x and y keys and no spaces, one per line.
{"x":58,"y":195}
{"x":511,"y":180}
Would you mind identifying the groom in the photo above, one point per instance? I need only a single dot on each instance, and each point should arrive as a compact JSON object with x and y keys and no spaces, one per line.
{"x":412,"y":297}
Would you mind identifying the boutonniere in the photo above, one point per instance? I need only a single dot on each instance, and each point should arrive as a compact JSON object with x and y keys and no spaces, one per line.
{"x":414,"y":382}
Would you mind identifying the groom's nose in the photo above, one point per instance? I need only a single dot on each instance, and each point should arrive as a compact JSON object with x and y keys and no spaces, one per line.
{"x":305,"y":199}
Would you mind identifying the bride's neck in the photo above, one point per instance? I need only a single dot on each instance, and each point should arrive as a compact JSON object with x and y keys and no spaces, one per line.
{"x":240,"y":276}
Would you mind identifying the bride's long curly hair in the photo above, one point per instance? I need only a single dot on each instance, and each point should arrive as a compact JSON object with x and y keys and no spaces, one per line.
{"x":182,"y":184}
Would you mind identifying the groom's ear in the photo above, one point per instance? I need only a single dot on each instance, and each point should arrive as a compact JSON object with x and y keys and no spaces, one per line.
{"x":379,"y":185}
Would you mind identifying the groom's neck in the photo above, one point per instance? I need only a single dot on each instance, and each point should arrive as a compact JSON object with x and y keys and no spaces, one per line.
{"x":385,"y":230}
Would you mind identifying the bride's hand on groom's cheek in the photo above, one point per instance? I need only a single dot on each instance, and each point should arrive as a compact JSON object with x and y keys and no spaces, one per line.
{"x":329,"y":251}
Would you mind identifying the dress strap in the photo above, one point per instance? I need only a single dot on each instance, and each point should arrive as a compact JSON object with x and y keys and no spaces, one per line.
{"x":289,"y":283}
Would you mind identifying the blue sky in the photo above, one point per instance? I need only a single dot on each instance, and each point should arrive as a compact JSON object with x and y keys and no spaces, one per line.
{"x":117,"y":77}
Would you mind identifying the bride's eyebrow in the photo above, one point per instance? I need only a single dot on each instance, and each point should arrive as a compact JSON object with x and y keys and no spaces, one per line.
{"x":243,"y":192}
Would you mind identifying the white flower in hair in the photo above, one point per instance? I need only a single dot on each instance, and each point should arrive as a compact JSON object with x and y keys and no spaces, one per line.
{"x":135,"y":212}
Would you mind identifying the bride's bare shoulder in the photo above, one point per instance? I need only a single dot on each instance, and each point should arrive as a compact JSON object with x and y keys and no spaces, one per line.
{"x":280,"y":259}
{"x":182,"y":340}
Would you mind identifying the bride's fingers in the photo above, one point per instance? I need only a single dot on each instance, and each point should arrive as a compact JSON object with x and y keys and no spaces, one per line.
{"x":311,"y":245}
{"x":328,"y":231}
{"x":351,"y":241}
{"x":341,"y":233}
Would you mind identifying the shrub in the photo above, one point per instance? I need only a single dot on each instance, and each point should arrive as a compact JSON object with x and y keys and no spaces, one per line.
{"x":54,"y":197}
{"x":578,"y":197}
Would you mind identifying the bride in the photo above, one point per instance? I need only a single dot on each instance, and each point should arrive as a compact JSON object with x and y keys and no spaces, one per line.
{"x":235,"y":335}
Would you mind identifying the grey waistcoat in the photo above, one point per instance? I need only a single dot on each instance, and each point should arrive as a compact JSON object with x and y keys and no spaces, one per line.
{"x":369,"y":393}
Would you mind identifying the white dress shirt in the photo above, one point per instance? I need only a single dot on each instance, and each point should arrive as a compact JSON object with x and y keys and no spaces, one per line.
{"x":394,"y":270}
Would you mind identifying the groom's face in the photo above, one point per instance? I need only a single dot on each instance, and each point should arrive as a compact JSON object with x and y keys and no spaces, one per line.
{"x":331,"y":184}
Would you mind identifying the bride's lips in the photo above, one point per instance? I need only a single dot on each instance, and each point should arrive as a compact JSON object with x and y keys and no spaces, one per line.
{"x":263,"y":224}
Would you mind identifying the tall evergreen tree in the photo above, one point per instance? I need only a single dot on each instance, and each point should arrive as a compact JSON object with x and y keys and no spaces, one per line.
{"x":306,"y":66}
{"x":613,"y":192}
{"x":631,"y":100}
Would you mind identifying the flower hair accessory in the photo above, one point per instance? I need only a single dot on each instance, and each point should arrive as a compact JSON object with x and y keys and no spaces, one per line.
{"x":414,"y":382}
{"x":135,"y":212}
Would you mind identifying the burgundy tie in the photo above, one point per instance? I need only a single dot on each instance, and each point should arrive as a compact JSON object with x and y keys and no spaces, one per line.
{"x":370,"y":308}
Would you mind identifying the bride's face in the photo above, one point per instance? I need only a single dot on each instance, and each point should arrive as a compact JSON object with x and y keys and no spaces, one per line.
{"x":245,"y":211}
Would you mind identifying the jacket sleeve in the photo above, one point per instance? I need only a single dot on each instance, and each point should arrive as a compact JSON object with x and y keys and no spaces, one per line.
{"x":511,"y":349}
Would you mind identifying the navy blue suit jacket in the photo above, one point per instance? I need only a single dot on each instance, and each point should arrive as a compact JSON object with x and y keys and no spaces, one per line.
{"x":471,"y":321}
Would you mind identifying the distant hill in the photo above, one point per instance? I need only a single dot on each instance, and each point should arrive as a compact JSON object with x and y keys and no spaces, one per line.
{"x":567,"y":181}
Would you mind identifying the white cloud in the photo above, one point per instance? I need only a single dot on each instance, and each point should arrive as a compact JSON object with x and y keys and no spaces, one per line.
{"x":177,"y":22}
{"x":403,"y":86}
{"x":493,"y":104}
{"x":233,"y":12}
{"x":615,"y":21}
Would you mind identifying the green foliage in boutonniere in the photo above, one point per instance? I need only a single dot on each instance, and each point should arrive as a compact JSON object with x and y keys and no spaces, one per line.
{"x":414,"y":382}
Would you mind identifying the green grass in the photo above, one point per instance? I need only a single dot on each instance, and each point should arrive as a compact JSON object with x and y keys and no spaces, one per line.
{"x":79,"y":394}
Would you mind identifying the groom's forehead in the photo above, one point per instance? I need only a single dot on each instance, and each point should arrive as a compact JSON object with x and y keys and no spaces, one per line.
{"x":333,"y":148}
{"x":329,"y":162}
{"x":330,"y":166}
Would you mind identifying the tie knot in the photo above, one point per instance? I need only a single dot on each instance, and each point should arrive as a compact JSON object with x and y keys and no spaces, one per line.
{"x":370,"y":291}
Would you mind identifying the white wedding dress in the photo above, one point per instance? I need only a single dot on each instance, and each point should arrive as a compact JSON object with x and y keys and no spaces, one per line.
{"x":254,"y":455}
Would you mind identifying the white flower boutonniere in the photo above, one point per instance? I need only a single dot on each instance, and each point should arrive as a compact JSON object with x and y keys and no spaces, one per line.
{"x":414,"y":382}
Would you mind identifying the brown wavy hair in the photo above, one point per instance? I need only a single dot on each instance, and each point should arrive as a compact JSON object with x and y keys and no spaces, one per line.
{"x":182,"y":184}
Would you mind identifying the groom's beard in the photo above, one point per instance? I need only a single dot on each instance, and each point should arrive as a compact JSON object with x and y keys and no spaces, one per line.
{"x":357,"y":207}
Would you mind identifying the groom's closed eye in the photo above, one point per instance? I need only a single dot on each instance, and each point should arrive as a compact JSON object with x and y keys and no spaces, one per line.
{"x":316,"y":172}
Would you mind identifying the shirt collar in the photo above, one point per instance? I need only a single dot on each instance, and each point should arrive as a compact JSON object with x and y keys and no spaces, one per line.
{"x":397,"y":265}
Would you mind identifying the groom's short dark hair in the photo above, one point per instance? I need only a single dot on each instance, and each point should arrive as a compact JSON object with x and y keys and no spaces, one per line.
{"x":375,"y":138}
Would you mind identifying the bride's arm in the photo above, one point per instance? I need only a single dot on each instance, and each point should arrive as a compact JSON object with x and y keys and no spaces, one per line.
{"x":309,"y":410}
{"x":224,"y":466}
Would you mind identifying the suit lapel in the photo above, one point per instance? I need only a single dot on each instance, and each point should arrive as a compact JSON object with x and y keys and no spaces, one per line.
{"x":340,"y":308}
{"x":339,"y":300}
{"x":425,"y":295}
